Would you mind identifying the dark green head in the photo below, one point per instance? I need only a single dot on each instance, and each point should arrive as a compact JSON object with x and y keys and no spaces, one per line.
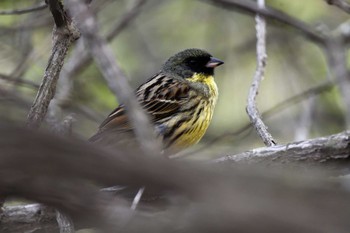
{"x":190,"y":61}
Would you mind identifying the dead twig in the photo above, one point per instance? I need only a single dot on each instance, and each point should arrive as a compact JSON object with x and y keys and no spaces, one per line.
{"x":63,"y":35}
{"x":261,"y":57}
{"x":27,"y":83}
{"x":65,"y":223}
{"x":39,"y":7}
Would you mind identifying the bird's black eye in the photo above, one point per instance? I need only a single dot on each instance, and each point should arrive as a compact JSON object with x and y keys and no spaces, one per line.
{"x":192,"y":62}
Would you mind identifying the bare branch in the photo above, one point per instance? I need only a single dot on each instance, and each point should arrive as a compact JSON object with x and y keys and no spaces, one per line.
{"x":126,"y":19}
{"x":59,"y":14}
{"x":27,"y":218}
{"x":114,"y":76}
{"x":39,"y":7}
{"x":342,"y":4}
{"x":251,"y":7}
{"x":312,"y":151}
{"x":19,"y":81}
{"x":137,"y":198}
{"x":65,"y":223}
{"x":63,"y":35}
{"x":261,"y":57}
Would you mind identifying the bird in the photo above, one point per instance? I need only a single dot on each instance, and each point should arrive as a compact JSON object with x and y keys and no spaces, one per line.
{"x":179,"y":100}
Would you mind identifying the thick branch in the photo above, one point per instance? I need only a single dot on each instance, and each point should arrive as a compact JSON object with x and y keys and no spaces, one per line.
{"x":41,"y":6}
{"x":26,"y":218}
{"x":59,"y":14}
{"x":313,"y":151}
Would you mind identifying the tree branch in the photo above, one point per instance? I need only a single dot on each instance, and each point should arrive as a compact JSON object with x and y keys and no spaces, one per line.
{"x":261,"y":58}
{"x":27,"y":218}
{"x":65,"y":223}
{"x":59,"y":14}
{"x":63,"y":35}
{"x":19,"y":81}
{"x":39,"y":7}
{"x":310,"y":152}
{"x":341,"y":4}
{"x":251,"y":7}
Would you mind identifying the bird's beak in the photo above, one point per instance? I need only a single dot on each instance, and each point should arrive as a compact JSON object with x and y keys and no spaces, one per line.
{"x":214,"y":62}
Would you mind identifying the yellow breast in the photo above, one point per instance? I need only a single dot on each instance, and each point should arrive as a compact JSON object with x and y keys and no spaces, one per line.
{"x":195,"y":128}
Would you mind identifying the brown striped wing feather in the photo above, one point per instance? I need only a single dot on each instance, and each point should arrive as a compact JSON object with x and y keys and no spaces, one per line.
{"x":160,"y":97}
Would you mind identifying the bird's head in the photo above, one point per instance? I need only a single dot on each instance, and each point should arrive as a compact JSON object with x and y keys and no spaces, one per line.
{"x":191,"y":61}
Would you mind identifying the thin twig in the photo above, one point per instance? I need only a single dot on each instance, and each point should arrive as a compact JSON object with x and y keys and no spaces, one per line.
{"x":14,"y":97}
{"x":64,"y":222}
{"x":28,"y":218}
{"x":19,"y":81}
{"x":63,"y":35}
{"x":114,"y":77}
{"x":303,"y":126}
{"x":126,"y":19}
{"x":39,"y":7}
{"x":342,"y":4}
{"x":137,"y":198}
{"x":251,"y":108}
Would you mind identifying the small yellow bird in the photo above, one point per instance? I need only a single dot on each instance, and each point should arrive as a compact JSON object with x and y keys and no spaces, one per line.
{"x":179,"y":100}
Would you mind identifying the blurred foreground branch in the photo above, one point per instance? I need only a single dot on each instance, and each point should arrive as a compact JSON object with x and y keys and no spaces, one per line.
{"x":201,"y":198}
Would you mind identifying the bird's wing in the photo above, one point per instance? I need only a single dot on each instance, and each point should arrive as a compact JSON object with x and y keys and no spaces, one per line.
{"x":160,"y":97}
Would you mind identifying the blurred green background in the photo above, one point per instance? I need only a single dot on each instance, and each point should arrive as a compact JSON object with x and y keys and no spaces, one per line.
{"x":164,"y":27}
